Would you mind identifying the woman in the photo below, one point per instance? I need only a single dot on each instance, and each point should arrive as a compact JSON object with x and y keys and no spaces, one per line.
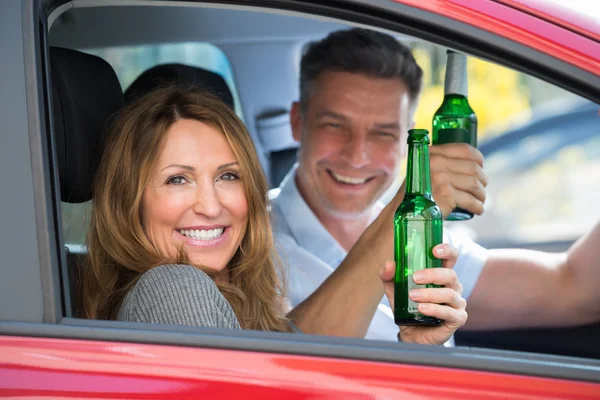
{"x":180,"y":231}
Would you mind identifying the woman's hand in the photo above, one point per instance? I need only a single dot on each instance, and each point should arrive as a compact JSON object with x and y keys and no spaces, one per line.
{"x":445,"y":303}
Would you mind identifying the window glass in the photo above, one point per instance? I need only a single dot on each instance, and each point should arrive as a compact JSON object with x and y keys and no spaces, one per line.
{"x":543,"y":184}
{"x":129,"y":63}
{"x":541,"y":146}
{"x":500,"y":96}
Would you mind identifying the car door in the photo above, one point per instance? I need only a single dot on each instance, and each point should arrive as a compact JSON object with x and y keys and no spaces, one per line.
{"x":46,"y":353}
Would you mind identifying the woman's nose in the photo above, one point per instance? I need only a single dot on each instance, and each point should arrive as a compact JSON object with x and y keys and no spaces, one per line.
{"x":207,"y":201}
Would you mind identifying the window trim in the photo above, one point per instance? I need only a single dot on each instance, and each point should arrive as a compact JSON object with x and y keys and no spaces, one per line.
{"x":44,"y":166}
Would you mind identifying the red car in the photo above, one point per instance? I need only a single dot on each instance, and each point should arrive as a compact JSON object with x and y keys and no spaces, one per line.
{"x":45,"y":352}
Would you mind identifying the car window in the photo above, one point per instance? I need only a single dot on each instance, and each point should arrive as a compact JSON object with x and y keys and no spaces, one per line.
{"x":514,"y":95}
{"x":543,"y":186}
{"x":129,"y":62}
{"x":541,"y":146}
{"x":500,"y":96}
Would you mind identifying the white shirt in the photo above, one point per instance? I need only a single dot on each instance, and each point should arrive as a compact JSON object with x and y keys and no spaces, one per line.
{"x":311,"y":254}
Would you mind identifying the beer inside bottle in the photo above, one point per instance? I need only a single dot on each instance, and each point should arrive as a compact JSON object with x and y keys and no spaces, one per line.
{"x":455,"y":121}
{"x":418,"y":224}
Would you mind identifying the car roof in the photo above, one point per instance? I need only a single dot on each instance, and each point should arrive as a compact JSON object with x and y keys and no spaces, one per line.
{"x":577,"y":16}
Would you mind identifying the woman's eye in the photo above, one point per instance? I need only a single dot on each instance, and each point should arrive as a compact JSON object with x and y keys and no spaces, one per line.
{"x":176,"y":180}
{"x":229,"y":176}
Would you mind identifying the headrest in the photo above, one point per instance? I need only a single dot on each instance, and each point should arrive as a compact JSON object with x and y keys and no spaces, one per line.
{"x":165,"y":74}
{"x":85,"y":94}
{"x":275,"y":131}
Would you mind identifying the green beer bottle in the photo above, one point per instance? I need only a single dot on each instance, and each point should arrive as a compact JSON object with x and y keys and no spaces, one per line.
{"x":455,"y":121}
{"x":418,"y":225}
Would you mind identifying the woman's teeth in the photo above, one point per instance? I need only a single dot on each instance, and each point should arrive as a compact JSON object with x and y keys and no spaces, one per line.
{"x":201,"y":234}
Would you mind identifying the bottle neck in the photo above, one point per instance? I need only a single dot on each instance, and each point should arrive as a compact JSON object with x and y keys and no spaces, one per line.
{"x":418,"y":180}
{"x":456,"y":75}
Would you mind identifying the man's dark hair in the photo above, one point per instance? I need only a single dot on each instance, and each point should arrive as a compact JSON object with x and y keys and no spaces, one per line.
{"x":360,"y":51}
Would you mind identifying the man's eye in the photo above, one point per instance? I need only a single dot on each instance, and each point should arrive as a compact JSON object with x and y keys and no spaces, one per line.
{"x":230,"y":176}
{"x":176,"y":180}
{"x":333,"y":125}
{"x":386,"y":134}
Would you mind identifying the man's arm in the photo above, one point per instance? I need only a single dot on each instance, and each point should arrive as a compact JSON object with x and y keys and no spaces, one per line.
{"x":345,"y":303}
{"x":524,"y":288}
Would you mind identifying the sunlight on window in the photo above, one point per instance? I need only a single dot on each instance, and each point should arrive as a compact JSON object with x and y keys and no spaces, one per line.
{"x":500,"y":97}
{"x":129,"y":62}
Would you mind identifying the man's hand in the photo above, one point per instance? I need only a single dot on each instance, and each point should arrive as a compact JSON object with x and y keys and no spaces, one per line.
{"x":445,"y":303}
{"x":457,"y":177}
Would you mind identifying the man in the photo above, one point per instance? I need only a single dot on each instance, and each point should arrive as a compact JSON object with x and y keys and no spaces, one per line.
{"x":358,"y":93}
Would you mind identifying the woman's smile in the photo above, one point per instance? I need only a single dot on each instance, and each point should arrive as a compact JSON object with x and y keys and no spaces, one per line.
{"x":203,"y":236}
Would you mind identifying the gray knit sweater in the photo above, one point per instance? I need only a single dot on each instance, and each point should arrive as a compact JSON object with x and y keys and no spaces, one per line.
{"x":179,"y":295}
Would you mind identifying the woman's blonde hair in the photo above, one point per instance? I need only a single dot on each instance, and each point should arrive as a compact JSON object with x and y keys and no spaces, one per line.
{"x":120,"y":252}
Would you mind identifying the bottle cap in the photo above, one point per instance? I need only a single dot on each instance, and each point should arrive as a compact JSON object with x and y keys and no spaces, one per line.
{"x":456,"y":73}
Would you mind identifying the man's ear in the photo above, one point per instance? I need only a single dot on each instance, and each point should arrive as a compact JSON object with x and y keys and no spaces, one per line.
{"x":296,"y":121}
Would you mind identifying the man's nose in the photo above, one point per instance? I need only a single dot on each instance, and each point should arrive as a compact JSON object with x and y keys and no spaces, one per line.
{"x":355,"y":151}
{"x":207,"y":201}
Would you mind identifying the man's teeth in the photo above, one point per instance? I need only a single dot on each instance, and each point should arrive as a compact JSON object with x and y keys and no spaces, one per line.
{"x":201,"y":234}
{"x":348,"y":179}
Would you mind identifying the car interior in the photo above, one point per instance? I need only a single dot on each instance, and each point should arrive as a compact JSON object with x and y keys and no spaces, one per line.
{"x":262,"y":48}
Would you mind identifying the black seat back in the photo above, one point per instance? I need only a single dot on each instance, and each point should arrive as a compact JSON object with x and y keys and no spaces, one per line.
{"x":165,"y":74}
{"x":85,"y":94}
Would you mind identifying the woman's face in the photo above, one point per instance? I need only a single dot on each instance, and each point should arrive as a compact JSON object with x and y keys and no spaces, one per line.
{"x":195,"y":197}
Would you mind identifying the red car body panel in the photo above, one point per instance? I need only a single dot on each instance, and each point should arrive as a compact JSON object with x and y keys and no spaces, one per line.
{"x":36,"y":368}
{"x":559,"y":14}
{"x":521,"y":27}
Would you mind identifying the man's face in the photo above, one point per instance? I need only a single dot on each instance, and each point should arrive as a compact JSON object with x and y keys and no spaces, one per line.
{"x":353,"y":138}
